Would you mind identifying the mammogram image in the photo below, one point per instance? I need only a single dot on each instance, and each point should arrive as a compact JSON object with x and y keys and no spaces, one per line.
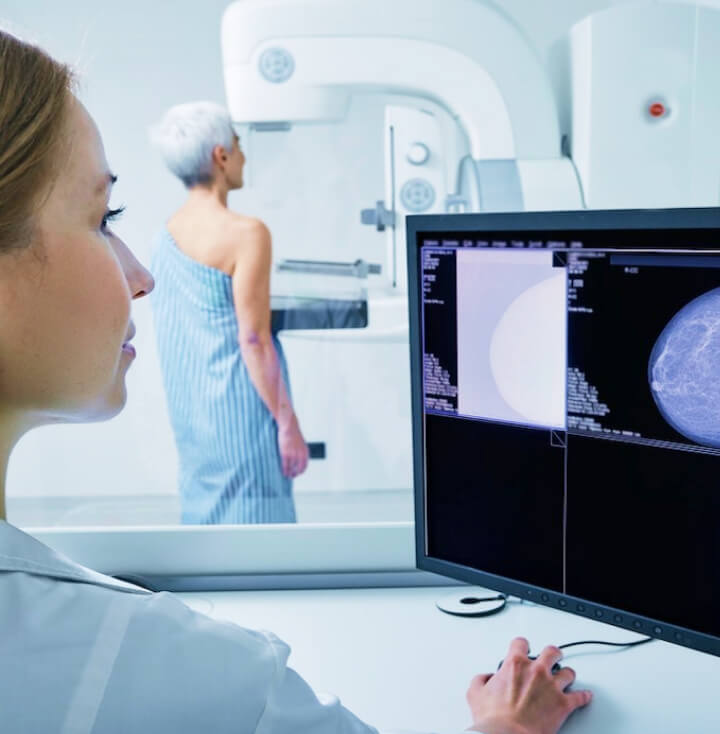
{"x":684,"y":370}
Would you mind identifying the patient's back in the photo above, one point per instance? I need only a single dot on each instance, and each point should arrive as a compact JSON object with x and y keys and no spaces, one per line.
{"x":211,"y":235}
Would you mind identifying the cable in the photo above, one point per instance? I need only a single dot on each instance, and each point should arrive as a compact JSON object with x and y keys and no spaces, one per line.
{"x":557,"y":667}
{"x":601,"y":642}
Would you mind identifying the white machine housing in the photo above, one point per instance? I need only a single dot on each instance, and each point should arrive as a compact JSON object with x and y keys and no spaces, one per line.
{"x":473,"y":126}
{"x":624,"y":61}
{"x":294,"y":62}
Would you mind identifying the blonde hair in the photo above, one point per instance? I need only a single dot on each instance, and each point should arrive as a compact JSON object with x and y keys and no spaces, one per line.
{"x":34,"y":94}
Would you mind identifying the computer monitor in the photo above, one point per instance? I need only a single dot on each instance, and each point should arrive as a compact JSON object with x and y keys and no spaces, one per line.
{"x":566,"y":411}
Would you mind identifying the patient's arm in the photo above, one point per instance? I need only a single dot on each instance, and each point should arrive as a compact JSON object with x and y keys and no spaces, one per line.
{"x":251,"y":293}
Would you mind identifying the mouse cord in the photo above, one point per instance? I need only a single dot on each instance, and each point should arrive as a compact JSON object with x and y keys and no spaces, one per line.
{"x":601,"y":642}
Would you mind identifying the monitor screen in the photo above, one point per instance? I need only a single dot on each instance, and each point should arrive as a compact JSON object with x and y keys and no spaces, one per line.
{"x":566,"y":411}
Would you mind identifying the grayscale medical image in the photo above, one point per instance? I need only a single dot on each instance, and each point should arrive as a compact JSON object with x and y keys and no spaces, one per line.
{"x":644,"y":348}
{"x":511,"y":336}
{"x":684,"y":370}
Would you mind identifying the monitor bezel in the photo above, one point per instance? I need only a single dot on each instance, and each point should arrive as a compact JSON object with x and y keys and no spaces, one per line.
{"x":418,"y":226}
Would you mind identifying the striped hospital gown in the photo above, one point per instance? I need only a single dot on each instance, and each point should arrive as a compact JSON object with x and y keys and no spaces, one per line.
{"x":226,"y":438}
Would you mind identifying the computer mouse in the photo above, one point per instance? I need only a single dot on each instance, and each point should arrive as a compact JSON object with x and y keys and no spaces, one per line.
{"x":555,"y":668}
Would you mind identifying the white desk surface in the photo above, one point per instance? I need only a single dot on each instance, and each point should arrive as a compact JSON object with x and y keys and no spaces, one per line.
{"x":399,"y":663}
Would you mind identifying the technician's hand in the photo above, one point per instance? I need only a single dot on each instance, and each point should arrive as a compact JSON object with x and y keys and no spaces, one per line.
{"x":524,"y":697}
{"x":294,"y":452}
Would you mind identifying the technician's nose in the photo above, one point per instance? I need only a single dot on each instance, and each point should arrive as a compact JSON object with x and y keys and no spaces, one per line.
{"x":143,"y":282}
{"x":140,"y":280}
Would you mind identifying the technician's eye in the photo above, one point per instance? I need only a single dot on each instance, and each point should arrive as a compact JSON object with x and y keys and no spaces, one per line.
{"x":111,"y":215}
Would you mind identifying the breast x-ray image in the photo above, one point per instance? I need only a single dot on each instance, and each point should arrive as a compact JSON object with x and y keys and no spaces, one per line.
{"x":645,"y":337}
{"x":684,"y":370}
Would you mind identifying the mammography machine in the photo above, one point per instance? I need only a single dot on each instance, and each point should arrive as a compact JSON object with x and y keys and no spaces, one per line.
{"x":471,"y":123}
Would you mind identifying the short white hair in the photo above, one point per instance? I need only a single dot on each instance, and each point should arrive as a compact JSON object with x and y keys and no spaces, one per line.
{"x":186,"y":136}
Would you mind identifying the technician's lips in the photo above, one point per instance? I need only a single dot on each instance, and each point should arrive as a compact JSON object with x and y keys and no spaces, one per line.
{"x":127,"y":347}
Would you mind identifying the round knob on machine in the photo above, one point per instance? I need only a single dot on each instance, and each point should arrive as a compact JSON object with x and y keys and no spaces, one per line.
{"x":418,"y":154}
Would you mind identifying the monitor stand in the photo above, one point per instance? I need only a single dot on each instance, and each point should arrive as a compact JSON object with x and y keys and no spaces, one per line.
{"x":472,"y":602}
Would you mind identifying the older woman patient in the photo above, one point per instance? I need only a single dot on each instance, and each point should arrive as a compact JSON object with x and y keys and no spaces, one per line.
{"x":225,"y":375}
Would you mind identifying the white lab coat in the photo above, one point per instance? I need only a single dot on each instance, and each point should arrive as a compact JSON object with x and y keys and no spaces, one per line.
{"x":81,"y":652}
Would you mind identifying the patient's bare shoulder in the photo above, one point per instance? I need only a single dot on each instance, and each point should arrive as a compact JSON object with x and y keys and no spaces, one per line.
{"x":247,"y":237}
{"x":240,"y":224}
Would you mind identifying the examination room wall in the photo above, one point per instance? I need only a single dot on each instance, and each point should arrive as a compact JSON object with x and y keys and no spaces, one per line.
{"x":135,"y":59}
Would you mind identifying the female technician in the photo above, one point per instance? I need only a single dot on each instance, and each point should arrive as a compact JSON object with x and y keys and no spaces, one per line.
{"x":82,"y":652}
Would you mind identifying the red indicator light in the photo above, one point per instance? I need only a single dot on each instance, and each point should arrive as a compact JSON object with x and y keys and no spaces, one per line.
{"x":657,"y":109}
